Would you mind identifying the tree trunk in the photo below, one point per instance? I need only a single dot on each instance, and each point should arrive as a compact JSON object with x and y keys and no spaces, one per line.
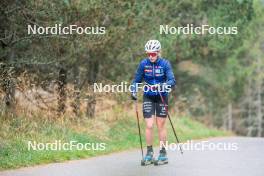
{"x":91,"y":77}
{"x":90,"y":107}
{"x":259,"y":103}
{"x":8,"y":83}
{"x":249,"y":112}
{"x":8,"y":86}
{"x":62,"y":91}
{"x":77,"y":92}
{"x":230,"y":117}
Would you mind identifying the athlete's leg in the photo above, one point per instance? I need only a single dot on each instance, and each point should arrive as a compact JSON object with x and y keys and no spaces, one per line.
{"x":149,"y":130}
{"x":148,"y":112}
{"x":161,"y":112}
{"x":162,"y":158}
{"x":161,"y":124}
{"x":148,"y":159}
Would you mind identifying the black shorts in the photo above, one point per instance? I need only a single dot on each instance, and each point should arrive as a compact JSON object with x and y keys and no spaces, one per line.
{"x":154,"y":106}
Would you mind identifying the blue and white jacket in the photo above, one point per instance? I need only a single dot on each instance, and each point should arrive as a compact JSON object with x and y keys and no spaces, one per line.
{"x":159,"y":72}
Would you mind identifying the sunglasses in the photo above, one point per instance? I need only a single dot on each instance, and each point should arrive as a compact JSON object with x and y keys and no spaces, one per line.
{"x":152,"y":54}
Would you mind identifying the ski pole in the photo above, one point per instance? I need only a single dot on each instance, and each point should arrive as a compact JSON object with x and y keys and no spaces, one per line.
{"x":139,"y":131}
{"x":170,"y":122}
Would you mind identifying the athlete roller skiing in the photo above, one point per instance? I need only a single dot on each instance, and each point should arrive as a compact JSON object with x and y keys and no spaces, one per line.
{"x":159,"y":79}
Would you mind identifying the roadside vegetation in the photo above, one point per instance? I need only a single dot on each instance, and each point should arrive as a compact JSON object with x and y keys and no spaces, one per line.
{"x":118,"y":130}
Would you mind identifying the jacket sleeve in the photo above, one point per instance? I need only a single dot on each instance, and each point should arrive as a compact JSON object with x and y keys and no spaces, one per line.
{"x":170,"y":75}
{"x":138,"y":77}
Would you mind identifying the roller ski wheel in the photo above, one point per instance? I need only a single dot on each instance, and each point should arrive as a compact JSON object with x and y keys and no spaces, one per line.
{"x":161,"y":160}
{"x":145,"y":163}
{"x":148,"y":159}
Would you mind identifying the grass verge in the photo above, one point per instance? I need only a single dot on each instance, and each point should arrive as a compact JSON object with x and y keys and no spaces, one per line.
{"x":119,"y":134}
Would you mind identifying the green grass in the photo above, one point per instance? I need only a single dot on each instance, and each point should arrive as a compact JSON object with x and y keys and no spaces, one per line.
{"x":119,"y":134}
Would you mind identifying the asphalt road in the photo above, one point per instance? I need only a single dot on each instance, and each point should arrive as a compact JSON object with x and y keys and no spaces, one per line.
{"x":247,"y":160}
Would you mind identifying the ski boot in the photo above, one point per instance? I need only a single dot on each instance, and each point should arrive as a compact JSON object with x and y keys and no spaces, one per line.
{"x":148,"y":159}
{"x":162,"y":159}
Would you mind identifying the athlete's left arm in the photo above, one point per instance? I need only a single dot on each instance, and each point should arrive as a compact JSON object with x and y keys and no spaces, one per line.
{"x":170,"y":75}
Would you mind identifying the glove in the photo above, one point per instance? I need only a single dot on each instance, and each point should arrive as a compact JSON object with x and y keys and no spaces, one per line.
{"x":134,"y":96}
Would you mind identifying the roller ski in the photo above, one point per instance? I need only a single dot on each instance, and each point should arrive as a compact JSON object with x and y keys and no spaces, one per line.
{"x":162,"y":159}
{"x":148,"y":159}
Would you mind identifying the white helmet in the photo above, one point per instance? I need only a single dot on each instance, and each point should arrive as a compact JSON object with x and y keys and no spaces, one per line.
{"x":152,"y":46}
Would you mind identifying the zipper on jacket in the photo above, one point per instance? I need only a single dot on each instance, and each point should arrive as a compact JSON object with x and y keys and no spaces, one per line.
{"x":153,"y":69}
